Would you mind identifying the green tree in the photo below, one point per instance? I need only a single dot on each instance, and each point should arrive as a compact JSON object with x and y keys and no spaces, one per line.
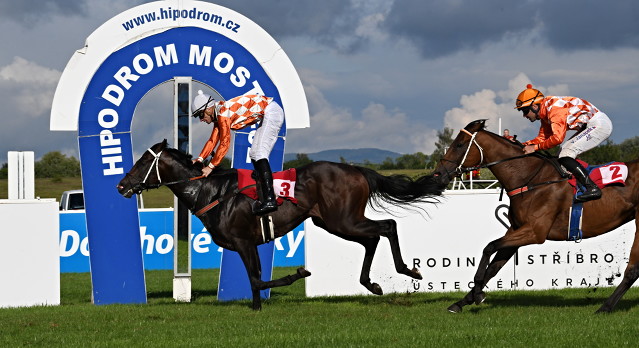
{"x":4,"y":171}
{"x":604,"y":153}
{"x":444,"y":139}
{"x":56,"y":165}
{"x":413,"y":161}
{"x":301,"y":159}
{"x":387,"y":164}
{"x":629,"y":149}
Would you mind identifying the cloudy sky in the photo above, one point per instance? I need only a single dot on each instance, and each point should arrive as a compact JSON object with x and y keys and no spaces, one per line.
{"x":377,"y":73}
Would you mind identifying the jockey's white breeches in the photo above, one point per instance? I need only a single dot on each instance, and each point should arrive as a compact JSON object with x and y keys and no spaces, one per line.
{"x":598,"y":129}
{"x":266,"y":134}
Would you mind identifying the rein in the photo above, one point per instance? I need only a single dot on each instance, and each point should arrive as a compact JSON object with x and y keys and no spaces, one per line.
{"x":203,"y":210}
{"x":525,"y":188}
{"x":213,"y":204}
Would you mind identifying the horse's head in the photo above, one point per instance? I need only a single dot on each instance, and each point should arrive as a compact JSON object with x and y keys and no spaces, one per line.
{"x":461,"y":156}
{"x":145,"y":173}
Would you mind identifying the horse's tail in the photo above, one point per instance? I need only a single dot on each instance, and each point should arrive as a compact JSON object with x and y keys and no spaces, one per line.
{"x":401,"y":189}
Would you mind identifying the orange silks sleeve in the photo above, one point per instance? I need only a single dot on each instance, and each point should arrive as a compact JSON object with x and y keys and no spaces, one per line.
{"x":552,"y":132}
{"x":224,"y":125}
{"x":558,"y":128}
{"x":541,"y":136}
{"x":210,"y":144}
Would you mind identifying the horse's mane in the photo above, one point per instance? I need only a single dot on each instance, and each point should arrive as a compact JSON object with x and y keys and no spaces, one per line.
{"x":187,"y":161}
{"x":480,"y":125}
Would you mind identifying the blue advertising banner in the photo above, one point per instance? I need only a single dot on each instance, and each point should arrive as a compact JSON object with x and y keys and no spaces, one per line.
{"x":156,"y":235}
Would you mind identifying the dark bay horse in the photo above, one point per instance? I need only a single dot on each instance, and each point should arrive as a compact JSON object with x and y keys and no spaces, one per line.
{"x":333,"y":195}
{"x":539,"y":204}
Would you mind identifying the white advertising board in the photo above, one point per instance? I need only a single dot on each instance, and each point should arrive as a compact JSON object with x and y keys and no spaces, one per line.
{"x":446,"y":245}
{"x":29,"y":252}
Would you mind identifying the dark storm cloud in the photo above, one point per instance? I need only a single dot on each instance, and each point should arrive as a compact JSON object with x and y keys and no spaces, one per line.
{"x":591,"y":24}
{"x":27,"y":10}
{"x":440,"y":28}
{"x":329,"y":22}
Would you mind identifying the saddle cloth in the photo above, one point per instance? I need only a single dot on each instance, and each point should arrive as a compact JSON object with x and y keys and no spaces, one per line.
{"x":613,"y":173}
{"x":283,"y":184}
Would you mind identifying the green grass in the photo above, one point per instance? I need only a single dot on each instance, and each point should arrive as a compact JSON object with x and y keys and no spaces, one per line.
{"x":557,"y":318}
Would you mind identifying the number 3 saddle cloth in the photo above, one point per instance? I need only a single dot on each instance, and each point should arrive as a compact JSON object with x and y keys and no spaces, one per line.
{"x":283,"y":183}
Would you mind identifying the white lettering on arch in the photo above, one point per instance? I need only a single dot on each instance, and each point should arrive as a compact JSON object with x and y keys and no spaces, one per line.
{"x":199,"y":56}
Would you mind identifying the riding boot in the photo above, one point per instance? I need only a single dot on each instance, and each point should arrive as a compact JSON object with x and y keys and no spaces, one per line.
{"x":592,"y":190}
{"x":267,"y":201}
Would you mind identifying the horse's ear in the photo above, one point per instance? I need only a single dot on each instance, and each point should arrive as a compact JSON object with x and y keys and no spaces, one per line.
{"x":476,"y":125}
{"x":163,"y":144}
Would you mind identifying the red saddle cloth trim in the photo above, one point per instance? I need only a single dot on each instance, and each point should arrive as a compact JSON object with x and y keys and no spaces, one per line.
{"x":613,"y":173}
{"x":283,"y":183}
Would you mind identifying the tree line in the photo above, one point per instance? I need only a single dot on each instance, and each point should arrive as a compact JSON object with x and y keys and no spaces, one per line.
{"x":53,"y":164}
{"x":57,"y":165}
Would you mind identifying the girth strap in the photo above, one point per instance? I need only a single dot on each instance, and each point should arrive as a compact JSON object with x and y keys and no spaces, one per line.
{"x":532,"y":187}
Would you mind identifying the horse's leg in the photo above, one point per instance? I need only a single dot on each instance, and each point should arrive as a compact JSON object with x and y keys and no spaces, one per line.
{"x":250,"y":257}
{"x":477,"y":295}
{"x":286,"y":280}
{"x":509,"y":243}
{"x":370,"y":245}
{"x":389,"y":228}
{"x":630,"y":275}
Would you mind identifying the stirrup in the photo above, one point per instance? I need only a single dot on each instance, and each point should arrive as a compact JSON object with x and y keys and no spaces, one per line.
{"x":589,"y":195}
{"x":260,"y":208}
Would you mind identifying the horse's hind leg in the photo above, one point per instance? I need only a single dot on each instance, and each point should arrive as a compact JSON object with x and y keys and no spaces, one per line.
{"x":630,"y":276}
{"x":370,"y":246}
{"x":390,"y":231}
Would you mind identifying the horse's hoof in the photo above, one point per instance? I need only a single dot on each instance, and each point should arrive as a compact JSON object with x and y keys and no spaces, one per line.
{"x":480,"y":297}
{"x":303,"y":272}
{"x":416,"y":274}
{"x":455,"y":308}
{"x":603,"y":310}
{"x":376,"y":289}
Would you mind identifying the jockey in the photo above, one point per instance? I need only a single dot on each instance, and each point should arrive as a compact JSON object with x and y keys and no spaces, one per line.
{"x":238,"y":113}
{"x":558,"y":115}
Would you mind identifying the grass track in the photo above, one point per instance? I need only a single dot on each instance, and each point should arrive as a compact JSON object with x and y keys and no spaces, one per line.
{"x":507,"y":319}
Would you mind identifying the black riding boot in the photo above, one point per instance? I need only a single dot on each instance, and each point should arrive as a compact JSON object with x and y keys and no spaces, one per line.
{"x":267,"y":201}
{"x":592,"y":191}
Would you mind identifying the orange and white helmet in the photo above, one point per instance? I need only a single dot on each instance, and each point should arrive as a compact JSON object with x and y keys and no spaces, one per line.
{"x":529,"y":96}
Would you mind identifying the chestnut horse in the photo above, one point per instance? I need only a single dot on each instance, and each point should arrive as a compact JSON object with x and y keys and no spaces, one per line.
{"x":333,"y":195}
{"x":540,"y":199}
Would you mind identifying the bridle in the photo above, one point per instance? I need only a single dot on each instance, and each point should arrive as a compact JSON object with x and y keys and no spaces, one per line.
{"x":142,"y":185}
{"x":460,"y":169}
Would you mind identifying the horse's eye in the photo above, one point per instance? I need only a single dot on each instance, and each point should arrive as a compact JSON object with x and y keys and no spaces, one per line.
{"x":459,"y":144}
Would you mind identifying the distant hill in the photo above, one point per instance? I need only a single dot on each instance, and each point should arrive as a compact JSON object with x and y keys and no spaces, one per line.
{"x":350,"y":155}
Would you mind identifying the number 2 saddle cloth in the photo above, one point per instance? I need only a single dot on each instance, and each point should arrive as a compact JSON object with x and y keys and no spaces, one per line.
{"x":613,"y":173}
